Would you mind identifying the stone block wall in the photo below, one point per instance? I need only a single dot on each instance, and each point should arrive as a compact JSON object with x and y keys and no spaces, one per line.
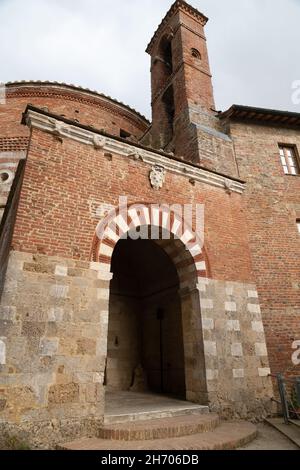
{"x":53,"y":346}
{"x":236,"y":358}
{"x":53,"y":323}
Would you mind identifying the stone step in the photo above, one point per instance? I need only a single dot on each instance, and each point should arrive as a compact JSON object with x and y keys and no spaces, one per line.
{"x":227,"y":436}
{"x":186,"y":409}
{"x":160,"y":428}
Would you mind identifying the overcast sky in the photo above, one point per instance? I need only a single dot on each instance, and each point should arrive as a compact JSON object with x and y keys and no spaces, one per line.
{"x":100,"y":44}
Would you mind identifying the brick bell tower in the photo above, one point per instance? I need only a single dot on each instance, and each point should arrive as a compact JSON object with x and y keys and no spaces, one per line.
{"x":182,"y":92}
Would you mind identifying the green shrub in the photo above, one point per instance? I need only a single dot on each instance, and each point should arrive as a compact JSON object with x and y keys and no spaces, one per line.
{"x":14,"y":443}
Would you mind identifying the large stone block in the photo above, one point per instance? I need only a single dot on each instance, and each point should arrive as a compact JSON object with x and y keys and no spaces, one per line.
{"x":63,"y":393}
{"x":48,"y":346}
{"x":86,"y":346}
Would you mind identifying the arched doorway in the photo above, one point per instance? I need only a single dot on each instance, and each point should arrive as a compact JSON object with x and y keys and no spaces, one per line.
{"x":178,"y":251}
{"x":145,"y":350}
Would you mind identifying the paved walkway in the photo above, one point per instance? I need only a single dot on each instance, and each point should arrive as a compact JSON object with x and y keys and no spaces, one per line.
{"x":270,"y":439}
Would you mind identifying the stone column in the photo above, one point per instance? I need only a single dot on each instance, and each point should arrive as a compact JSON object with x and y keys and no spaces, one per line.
{"x":195,"y":376}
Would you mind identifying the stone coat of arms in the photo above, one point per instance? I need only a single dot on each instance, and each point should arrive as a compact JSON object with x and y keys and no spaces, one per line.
{"x":157,"y":177}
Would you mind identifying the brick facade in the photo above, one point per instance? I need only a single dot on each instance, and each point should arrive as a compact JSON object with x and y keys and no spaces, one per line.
{"x":83,"y":106}
{"x":273,"y":206}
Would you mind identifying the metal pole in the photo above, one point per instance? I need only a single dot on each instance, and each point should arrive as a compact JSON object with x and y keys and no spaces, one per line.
{"x":160,"y":316}
{"x":282,"y":393}
{"x":298,"y":390}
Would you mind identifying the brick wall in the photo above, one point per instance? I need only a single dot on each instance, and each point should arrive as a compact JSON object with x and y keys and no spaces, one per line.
{"x":63,"y":179}
{"x":273,"y":205}
{"x":87,"y":108}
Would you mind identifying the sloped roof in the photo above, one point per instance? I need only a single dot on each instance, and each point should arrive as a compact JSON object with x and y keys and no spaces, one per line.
{"x":261,"y":115}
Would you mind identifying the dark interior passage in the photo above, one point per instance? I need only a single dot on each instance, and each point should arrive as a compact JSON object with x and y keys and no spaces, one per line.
{"x":145,"y":337}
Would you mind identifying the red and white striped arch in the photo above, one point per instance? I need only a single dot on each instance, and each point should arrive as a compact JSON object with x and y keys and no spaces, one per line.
{"x":184,"y":247}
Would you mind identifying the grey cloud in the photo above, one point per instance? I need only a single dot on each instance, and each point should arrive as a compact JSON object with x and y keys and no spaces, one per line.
{"x":253,"y":46}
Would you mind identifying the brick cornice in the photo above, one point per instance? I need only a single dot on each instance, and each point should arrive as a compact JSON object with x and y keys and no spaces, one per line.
{"x":101,"y":141}
{"x":12,"y":144}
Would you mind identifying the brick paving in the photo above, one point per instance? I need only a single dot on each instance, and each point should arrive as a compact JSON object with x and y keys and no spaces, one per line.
{"x":160,"y":428}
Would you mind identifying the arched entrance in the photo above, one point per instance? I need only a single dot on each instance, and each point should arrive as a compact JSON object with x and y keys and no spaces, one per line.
{"x":145,"y":350}
{"x":151,"y":289}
